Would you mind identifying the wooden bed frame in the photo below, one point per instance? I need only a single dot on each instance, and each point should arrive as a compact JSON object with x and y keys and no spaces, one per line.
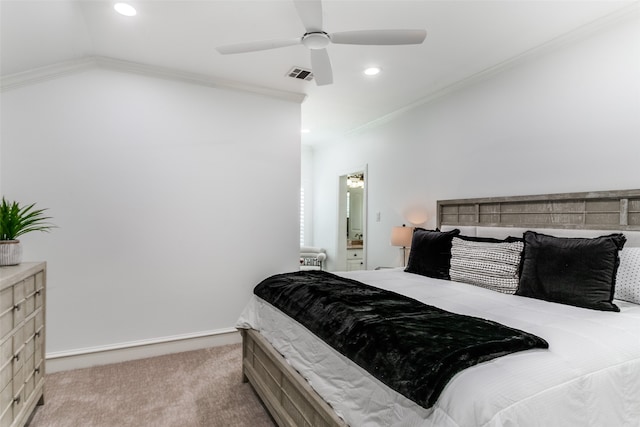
{"x":291,"y":400}
{"x":288,"y":397}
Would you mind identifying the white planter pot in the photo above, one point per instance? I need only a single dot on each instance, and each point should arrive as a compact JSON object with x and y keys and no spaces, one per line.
{"x":10,"y":252}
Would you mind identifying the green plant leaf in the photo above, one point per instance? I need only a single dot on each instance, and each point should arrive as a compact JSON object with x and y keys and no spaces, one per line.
{"x":16,"y":221}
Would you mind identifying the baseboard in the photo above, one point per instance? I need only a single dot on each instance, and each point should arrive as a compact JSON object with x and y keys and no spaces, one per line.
{"x":122,"y":352}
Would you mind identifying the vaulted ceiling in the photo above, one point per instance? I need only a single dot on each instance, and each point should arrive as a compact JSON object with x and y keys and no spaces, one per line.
{"x":465,"y":38}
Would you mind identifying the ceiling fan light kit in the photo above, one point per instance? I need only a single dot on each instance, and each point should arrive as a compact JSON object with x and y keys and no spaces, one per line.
{"x":317,"y":40}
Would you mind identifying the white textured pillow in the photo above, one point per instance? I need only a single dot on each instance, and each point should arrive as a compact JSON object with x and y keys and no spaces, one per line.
{"x":489,"y":265}
{"x":628,"y":277}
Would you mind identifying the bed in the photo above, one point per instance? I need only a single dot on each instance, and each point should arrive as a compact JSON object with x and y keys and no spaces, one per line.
{"x":588,"y":376}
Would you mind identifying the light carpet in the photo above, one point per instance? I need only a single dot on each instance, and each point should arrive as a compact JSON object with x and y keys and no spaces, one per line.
{"x":195,"y":388}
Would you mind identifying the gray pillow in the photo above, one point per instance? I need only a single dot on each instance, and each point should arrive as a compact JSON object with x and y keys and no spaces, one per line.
{"x":490,"y":264}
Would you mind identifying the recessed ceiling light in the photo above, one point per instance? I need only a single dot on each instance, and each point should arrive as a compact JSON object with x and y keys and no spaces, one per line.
{"x":372,"y":71}
{"x":125,"y":9}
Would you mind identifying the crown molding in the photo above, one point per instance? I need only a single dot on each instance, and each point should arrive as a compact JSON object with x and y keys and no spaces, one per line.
{"x":48,"y":72}
{"x":55,"y":71}
{"x":194,"y":78}
{"x":624,"y":14}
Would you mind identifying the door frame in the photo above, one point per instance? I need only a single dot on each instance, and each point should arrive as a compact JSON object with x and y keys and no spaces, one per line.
{"x":341,"y":238}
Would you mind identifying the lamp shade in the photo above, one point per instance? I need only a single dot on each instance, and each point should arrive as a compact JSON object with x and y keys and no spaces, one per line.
{"x":401,"y":236}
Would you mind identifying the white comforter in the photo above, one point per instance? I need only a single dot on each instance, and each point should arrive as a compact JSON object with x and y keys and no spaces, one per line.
{"x":589,"y":376}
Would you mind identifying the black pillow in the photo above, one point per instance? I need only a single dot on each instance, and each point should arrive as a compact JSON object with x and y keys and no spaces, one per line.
{"x":431,"y":253}
{"x":574,"y":271}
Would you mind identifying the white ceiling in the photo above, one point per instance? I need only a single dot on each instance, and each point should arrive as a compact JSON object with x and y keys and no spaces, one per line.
{"x":464,"y":38}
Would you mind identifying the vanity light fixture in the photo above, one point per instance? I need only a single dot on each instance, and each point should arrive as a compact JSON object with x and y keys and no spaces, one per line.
{"x":355,"y":180}
{"x":372,"y":71}
{"x":125,"y":9}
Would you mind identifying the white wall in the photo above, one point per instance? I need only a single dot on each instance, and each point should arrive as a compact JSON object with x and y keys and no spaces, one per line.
{"x":307,"y":184}
{"x":173,"y":201}
{"x":567,"y":120}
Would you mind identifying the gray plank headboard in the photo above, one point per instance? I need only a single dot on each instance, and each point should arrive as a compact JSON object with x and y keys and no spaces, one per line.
{"x":599,"y":210}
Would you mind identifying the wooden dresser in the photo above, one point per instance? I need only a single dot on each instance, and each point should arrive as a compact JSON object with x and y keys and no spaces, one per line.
{"x":22,"y":315}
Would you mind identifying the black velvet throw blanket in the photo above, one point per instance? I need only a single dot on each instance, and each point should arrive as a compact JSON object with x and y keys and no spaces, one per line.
{"x":413,"y":348}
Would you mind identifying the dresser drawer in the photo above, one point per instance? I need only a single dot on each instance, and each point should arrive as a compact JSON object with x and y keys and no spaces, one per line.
{"x":29,"y":328}
{"x":6,"y":323}
{"x":6,"y":405}
{"x":39,"y":280}
{"x":30,"y":296}
{"x":38,"y":371}
{"x":18,"y":398}
{"x":29,"y":285}
{"x":28,"y":355}
{"x":18,"y":352}
{"x":354,"y":253}
{"x":18,"y":378}
{"x":18,"y":303}
{"x":6,"y":373}
{"x":39,"y":319}
{"x":18,"y":292}
{"x":29,"y":384}
{"x":18,"y":312}
{"x":39,"y":292}
{"x":6,"y":312}
{"x":30,"y":304}
{"x":38,"y":342}
{"x":6,"y":351}
{"x":30,"y":344}
{"x":6,"y":299}
{"x":6,"y":362}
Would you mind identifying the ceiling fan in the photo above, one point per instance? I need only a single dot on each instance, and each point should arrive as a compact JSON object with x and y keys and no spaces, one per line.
{"x":316,"y":40}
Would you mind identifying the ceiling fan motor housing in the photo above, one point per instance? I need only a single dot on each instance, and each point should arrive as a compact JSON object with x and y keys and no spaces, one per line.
{"x":316,"y":40}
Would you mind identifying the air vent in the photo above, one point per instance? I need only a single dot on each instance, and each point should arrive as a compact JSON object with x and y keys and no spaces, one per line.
{"x":300,"y":73}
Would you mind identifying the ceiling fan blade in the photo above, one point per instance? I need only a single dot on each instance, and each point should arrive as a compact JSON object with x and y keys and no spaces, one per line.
{"x":379,"y":37}
{"x":256,"y":46}
{"x":310,"y":13}
{"x":321,"y":66}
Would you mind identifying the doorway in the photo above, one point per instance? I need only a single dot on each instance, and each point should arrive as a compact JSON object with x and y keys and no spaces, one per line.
{"x":352,"y":221}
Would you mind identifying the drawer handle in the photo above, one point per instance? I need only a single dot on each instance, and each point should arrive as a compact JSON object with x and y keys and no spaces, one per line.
{"x":38,"y":292}
{"x":37,"y":334}
{"x":37,"y":370}
{"x":16,"y":357}
{"x":16,"y":307}
{"x":17,"y":400}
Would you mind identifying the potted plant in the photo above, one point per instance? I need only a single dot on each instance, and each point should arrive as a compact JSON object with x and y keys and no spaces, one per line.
{"x":16,"y":220}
